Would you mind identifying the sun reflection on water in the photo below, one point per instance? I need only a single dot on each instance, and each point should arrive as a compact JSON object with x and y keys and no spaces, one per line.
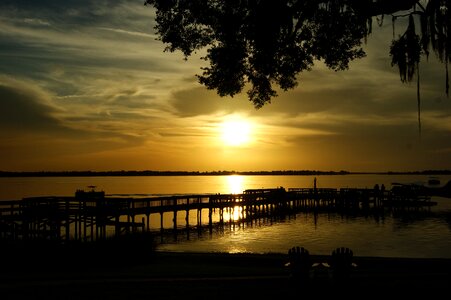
{"x":233,"y":214}
{"x":235,"y":183}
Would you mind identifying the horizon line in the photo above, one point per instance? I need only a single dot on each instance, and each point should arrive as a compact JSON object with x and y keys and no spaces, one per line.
{"x":218,"y":172}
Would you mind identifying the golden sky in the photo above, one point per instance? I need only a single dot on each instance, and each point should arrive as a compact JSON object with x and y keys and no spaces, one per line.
{"x":85,"y":85}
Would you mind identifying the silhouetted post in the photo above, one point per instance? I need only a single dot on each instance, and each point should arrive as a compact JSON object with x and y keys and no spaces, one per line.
{"x":148,"y":214}
{"x":187,"y":218}
{"x":85,"y":221}
{"x":133,"y":216}
{"x":382,"y":194}
{"x":315,"y":192}
{"x":377,"y":194}
{"x":75,"y":225}
{"x":117,"y":225}
{"x":199,"y":217}
{"x":133,"y":222}
{"x":67,"y":224}
{"x":210,"y":219}
{"x":80,"y":211}
{"x":92,"y":227}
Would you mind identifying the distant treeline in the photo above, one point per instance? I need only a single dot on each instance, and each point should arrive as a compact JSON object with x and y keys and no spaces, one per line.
{"x":163,"y":173}
{"x":206,"y":173}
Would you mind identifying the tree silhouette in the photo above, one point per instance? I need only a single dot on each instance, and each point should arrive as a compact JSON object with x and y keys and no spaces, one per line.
{"x":434,"y":19}
{"x":267,"y":43}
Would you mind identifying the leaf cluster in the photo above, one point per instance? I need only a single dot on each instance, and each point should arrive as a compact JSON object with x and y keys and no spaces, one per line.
{"x":262,"y":44}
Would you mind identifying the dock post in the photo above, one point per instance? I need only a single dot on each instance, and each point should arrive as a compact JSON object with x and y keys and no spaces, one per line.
{"x":85,"y":221}
{"x":210,"y":219}
{"x":128,"y":222}
{"x":187,"y":218}
{"x":133,"y":216}
{"x":80,"y":211}
{"x":174,"y":220}
{"x":92,"y":227}
{"x":199,"y":217}
{"x":67,"y":224}
{"x":75,"y":226}
{"x":133,"y":222}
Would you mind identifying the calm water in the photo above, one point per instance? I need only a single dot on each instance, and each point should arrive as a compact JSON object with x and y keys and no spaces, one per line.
{"x":427,"y":234}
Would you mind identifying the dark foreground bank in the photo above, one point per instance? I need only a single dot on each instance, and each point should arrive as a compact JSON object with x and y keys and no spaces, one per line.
{"x":164,"y":275}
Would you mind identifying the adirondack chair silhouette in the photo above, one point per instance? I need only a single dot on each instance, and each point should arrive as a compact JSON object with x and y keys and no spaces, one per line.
{"x":299,"y":262}
{"x":341,"y":263}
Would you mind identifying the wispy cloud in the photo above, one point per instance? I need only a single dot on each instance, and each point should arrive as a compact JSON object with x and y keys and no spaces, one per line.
{"x":136,"y":33}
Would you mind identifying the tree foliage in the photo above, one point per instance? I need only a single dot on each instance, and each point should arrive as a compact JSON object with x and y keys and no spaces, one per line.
{"x":263,"y":45}
{"x":406,"y":51}
{"x":434,"y":20}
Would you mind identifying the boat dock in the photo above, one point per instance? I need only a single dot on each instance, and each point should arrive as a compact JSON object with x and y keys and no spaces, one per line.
{"x":90,"y":215}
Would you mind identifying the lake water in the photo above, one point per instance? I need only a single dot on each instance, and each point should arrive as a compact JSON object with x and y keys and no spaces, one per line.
{"x":425,"y":234}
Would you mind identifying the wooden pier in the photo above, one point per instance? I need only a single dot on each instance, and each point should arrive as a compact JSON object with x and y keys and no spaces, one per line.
{"x":90,"y":215}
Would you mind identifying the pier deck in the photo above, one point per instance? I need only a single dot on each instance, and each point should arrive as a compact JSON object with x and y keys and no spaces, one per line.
{"x":92,"y":215}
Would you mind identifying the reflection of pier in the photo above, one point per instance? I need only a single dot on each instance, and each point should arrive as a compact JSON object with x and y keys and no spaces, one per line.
{"x":91,"y":216}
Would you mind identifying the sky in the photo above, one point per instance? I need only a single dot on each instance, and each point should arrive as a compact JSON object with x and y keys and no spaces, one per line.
{"x":87,"y":85}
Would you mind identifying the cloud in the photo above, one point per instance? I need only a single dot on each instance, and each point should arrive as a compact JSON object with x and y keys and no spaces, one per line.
{"x":36,"y":22}
{"x":23,"y":107}
{"x":31,"y":112}
{"x":127,"y":32}
{"x":199,"y":101}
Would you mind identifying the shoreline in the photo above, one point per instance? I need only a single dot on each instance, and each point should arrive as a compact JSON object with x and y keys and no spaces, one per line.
{"x":191,"y":274}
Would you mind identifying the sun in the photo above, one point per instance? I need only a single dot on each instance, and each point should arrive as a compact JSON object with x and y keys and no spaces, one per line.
{"x":236,"y":132}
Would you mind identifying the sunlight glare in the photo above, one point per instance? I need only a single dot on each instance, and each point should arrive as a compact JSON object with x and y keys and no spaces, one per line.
{"x":233,"y":214}
{"x":236,"y":132}
{"x":235,"y":183}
